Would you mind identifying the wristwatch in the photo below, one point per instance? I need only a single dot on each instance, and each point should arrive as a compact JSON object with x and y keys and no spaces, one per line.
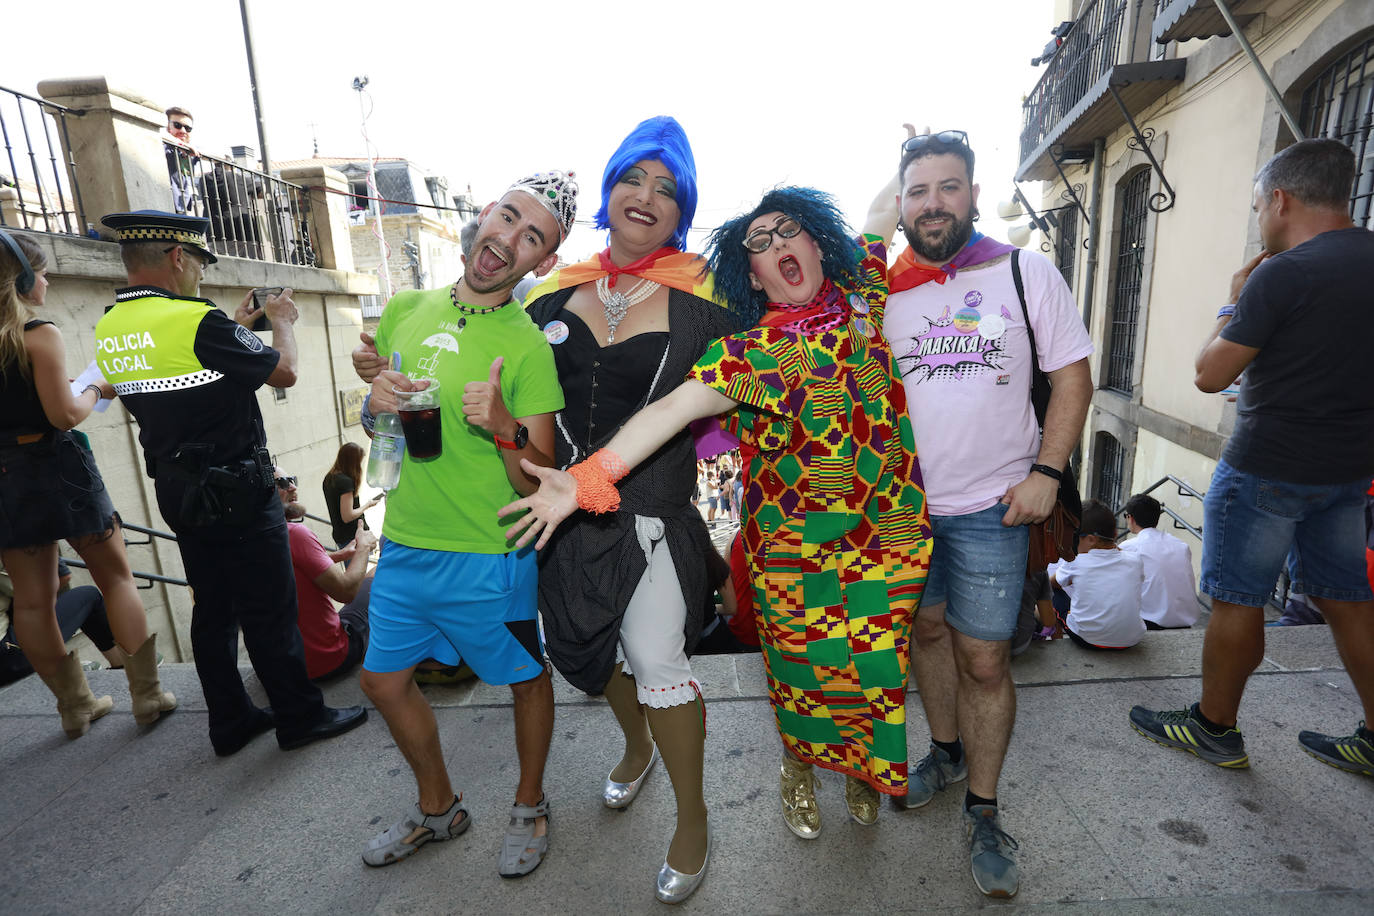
{"x":522,"y":438}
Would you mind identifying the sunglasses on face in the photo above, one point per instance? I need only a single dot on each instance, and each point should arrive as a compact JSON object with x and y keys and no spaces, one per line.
{"x":179,"y":126}
{"x":760,"y":239}
{"x":285,"y":483}
{"x":947,"y":137}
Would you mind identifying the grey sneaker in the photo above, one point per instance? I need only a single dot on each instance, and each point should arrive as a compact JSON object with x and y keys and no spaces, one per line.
{"x":932,"y":774}
{"x":990,"y":853}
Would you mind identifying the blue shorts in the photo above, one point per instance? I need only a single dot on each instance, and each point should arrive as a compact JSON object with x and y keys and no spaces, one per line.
{"x":455,"y":607}
{"x":1250,"y":523}
{"x":977,"y":570}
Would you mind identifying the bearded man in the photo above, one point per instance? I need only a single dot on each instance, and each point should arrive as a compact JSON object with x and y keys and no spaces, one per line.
{"x":957,"y":327}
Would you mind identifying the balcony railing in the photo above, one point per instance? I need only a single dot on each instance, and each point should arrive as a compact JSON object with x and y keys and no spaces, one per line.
{"x":1089,"y":51}
{"x":38,"y":187}
{"x":252,"y":214}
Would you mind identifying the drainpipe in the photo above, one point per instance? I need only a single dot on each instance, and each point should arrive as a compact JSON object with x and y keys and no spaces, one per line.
{"x":1094,"y":232}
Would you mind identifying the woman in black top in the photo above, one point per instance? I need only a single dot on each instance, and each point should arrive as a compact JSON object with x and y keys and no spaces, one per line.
{"x":623,"y":596}
{"x":49,"y":489}
{"x":341,"y":485}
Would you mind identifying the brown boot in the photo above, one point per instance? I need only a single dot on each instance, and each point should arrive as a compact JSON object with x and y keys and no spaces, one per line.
{"x":150,"y":700}
{"x":75,"y":702}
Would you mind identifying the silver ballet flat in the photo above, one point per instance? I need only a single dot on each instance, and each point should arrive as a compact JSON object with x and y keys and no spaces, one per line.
{"x":673,"y":885}
{"x":620,"y":794}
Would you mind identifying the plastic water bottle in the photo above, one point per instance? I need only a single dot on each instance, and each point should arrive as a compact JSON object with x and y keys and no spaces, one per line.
{"x":388,"y":449}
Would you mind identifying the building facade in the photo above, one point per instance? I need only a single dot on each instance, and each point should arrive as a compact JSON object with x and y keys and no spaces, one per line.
{"x":1147,"y":128}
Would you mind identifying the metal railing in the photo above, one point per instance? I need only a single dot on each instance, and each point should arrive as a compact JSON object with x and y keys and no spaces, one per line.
{"x":252,"y":214}
{"x":1184,"y":489}
{"x":1089,"y":50}
{"x":39,"y":189}
{"x":150,"y":533}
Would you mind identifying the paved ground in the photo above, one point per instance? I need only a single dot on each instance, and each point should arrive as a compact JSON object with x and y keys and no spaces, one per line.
{"x":124,"y":821}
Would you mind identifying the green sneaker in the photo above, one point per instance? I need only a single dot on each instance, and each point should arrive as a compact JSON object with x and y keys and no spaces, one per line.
{"x":1181,"y":729}
{"x":990,"y":852}
{"x":932,"y":774}
{"x":1354,"y":753}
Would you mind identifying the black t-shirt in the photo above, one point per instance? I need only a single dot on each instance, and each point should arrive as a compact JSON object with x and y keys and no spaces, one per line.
{"x":20,"y":409}
{"x":1305,"y":413}
{"x":222,"y":412}
{"x":336,"y":485}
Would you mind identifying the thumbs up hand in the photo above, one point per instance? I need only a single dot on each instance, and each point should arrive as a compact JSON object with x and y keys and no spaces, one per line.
{"x":484,"y":407}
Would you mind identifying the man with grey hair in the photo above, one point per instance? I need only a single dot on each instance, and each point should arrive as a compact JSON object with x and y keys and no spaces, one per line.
{"x":1294,"y":474}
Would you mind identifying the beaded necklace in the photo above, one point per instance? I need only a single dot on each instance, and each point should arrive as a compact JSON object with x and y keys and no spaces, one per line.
{"x":469,"y":310}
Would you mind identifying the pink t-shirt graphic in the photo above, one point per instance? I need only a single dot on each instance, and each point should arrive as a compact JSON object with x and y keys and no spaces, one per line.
{"x":964,"y":356}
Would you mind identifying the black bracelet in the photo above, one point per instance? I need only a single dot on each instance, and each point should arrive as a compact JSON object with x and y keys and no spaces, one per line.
{"x":1048,"y":471}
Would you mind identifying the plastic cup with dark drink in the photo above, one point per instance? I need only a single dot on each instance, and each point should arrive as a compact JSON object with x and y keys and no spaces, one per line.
{"x":419,"y":413}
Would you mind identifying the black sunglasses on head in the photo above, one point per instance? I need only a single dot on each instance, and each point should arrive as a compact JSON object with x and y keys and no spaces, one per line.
{"x":179,"y":126}
{"x":947,"y":137}
{"x":285,"y":483}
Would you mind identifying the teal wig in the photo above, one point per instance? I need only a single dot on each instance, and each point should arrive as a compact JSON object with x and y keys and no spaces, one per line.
{"x":818,"y":215}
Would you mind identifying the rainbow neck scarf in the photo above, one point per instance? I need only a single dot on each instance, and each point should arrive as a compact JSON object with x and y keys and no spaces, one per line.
{"x":909,"y":273}
{"x":675,"y":269}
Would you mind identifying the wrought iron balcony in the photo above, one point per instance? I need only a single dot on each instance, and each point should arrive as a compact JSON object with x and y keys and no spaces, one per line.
{"x":1180,"y":20}
{"x":1091,"y":85}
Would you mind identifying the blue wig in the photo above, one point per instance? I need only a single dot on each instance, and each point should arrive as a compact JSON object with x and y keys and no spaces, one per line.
{"x":817,"y":214}
{"x":658,"y":139}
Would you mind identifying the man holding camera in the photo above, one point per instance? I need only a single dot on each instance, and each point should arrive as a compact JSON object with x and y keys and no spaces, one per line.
{"x":189,"y":375}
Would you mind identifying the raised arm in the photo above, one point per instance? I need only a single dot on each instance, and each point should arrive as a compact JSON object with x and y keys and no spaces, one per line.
{"x":48,"y":357}
{"x":885,"y":211}
{"x":641,"y":436}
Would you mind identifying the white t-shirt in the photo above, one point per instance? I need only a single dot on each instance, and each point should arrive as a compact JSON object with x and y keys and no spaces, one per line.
{"x":1170,"y":595}
{"x":964,"y":356}
{"x":1104,"y":596}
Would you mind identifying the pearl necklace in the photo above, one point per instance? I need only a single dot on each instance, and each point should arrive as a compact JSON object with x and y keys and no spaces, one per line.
{"x":617,"y":304}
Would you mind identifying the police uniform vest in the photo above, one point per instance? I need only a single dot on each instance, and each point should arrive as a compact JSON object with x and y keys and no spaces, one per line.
{"x":186,"y":372}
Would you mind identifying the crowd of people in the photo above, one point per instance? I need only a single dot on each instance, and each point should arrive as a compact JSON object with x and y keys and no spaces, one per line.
{"x":897,"y":442}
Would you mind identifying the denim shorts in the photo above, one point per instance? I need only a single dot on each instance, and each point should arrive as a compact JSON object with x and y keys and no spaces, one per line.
{"x":1250,"y":523}
{"x":977,"y":570}
{"x":455,"y":607}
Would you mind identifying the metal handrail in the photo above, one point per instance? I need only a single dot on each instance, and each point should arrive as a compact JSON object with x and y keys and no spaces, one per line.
{"x":56,"y":216}
{"x":252,"y":214}
{"x":1184,"y":489}
{"x":151,"y":577}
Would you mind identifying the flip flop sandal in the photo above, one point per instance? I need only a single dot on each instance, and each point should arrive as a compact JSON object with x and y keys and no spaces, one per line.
{"x":522,"y":851}
{"x":405,"y":837}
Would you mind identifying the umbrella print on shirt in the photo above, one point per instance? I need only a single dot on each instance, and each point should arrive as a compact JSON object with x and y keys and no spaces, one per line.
{"x":438,"y":343}
{"x":956,"y":344}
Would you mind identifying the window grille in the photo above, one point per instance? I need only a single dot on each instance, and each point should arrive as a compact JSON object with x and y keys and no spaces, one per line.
{"x":1339,"y":104}
{"x":1125,"y":310}
{"x":1111,"y":469}
{"x":1066,"y":246}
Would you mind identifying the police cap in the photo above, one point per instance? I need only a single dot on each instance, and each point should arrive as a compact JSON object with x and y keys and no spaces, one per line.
{"x":161,"y":226}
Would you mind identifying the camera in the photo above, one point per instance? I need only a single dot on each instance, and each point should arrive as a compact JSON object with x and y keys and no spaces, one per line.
{"x":260,"y":296}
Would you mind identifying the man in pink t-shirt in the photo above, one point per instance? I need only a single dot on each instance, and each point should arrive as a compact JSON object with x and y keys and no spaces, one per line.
{"x":955,"y":323}
{"x":335,"y":641}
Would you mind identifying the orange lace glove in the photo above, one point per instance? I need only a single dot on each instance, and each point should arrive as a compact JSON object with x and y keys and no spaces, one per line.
{"x":596,"y":479}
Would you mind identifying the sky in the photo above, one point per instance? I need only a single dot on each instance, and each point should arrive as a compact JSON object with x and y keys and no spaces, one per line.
{"x":793,"y":92}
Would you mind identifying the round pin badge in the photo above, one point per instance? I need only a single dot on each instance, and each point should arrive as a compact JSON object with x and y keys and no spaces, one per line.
{"x":555,"y":332}
{"x":858,"y":304}
{"x":864,"y":326}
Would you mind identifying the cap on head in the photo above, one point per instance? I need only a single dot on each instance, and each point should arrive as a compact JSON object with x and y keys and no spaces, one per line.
{"x":557,"y":191}
{"x":161,"y":226}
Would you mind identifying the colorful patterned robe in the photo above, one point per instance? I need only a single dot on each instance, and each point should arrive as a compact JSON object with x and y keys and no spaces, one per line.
{"x":835,"y":529}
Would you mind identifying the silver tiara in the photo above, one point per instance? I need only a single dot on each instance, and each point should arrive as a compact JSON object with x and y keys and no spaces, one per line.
{"x":557,"y":191}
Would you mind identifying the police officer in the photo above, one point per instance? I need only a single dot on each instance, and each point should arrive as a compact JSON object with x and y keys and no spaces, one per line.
{"x":189,"y":375}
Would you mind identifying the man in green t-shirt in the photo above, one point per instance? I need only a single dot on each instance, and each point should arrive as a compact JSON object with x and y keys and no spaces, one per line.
{"x":449,"y":586}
